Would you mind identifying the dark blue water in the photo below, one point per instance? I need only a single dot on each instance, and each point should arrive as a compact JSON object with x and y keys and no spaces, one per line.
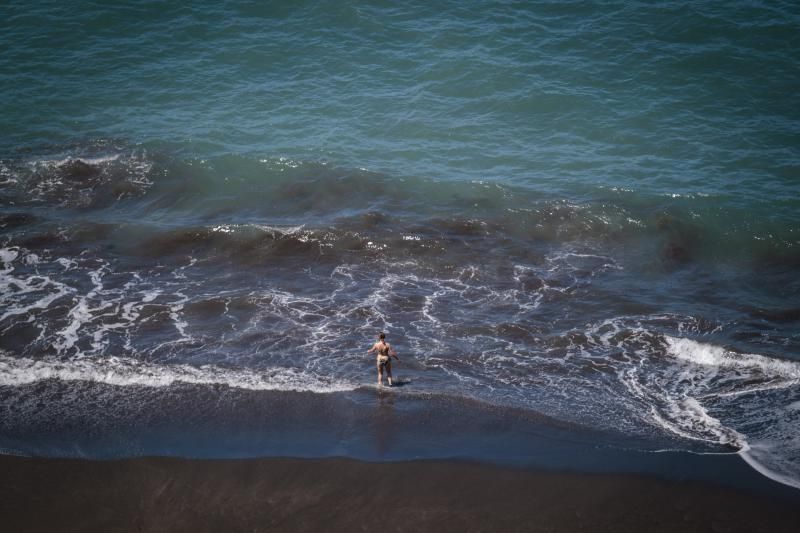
{"x":585,"y":211}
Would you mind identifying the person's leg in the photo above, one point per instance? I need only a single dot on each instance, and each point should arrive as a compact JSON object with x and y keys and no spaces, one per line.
{"x":389,"y":372}
{"x":380,"y":374}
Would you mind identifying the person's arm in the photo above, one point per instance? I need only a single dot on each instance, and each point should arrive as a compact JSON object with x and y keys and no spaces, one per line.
{"x":393,"y":353}
{"x":374,"y":346}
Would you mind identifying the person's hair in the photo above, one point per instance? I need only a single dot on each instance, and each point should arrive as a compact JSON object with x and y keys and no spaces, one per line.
{"x":382,"y":335}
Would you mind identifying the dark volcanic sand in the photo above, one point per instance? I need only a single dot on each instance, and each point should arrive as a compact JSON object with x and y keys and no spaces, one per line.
{"x":164,"y":494}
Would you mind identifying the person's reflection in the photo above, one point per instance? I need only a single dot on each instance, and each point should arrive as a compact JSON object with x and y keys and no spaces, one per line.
{"x":384,"y":422}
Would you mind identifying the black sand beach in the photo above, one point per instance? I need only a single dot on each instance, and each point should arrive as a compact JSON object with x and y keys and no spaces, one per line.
{"x":164,"y":494}
{"x":578,"y":224}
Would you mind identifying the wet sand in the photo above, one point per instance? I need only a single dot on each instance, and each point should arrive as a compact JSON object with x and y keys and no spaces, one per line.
{"x":167,"y":494}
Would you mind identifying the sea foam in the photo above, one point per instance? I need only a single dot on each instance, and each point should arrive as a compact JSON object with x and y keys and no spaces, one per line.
{"x":124,"y":372}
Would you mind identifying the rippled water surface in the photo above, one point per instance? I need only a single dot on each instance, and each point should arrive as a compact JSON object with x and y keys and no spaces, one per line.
{"x":585,"y":210}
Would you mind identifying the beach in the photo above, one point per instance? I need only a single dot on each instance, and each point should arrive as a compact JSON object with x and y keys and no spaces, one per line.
{"x":578,"y":225}
{"x":167,"y":494}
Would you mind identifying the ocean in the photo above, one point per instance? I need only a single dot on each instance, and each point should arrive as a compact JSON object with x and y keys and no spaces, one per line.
{"x":586,"y":214}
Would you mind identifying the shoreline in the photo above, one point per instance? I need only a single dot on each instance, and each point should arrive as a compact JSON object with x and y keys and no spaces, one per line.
{"x":219,"y":423}
{"x":271,"y":494}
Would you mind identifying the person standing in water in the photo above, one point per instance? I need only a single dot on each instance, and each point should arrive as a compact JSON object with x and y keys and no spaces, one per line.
{"x":385,"y":353}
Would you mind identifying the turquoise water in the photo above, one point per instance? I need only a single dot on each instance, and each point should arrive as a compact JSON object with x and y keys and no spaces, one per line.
{"x":662,"y":98}
{"x":587,"y":210}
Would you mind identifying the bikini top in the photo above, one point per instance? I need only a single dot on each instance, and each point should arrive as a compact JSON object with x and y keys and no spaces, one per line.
{"x":383,"y":351}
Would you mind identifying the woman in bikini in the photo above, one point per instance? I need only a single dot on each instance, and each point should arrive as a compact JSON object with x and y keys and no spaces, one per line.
{"x":385,"y":353}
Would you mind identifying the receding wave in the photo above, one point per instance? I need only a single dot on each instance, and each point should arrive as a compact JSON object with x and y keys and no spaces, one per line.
{"x":704,"y":392}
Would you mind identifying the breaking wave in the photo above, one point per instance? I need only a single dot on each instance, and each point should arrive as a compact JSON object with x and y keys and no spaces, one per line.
{"x":127,"y":372}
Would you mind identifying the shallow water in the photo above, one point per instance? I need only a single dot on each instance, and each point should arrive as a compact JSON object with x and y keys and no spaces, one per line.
{"x":587,"y":211}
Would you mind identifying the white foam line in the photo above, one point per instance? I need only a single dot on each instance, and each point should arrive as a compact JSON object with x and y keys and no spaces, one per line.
{"x":771,"y":386}
{"x":67,"y":160}
{"x":282,"y":230}
{"x":691,"y":452}
{"x":748,"y":456}
{"x":121,"y":371}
